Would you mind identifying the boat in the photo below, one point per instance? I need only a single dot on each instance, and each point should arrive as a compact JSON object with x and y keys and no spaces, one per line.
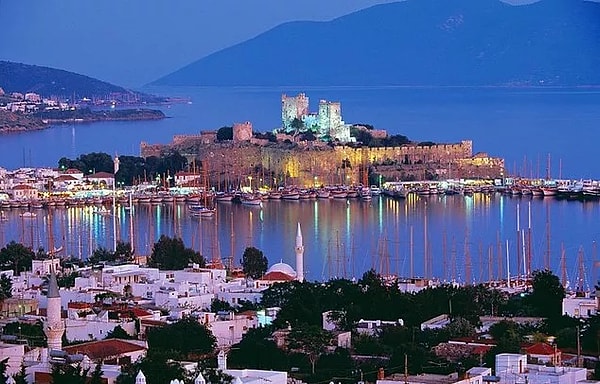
{"x":290,"y":195}
{"x":274,"y":195}
{"x":365,"y":193}
{"x":28,"y":215}
{"x":102,"y":211}
{"x":323,"y":194}
{"x":339,"y":194}
{"x":224,"y":196}
{"x":248,"y":199}
{"x":375,"y":190}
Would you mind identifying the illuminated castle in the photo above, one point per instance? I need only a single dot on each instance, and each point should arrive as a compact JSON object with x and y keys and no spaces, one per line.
{"x":327,"y":124}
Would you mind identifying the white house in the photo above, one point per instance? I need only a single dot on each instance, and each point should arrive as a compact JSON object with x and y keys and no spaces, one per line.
{"x":24,"y":192}
{"x":229,"y":327}
{"x":583,"y":307}
{"x":513,"y":368}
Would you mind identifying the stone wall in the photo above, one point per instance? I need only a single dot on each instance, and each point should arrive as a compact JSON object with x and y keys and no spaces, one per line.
{"x":310,"y":163}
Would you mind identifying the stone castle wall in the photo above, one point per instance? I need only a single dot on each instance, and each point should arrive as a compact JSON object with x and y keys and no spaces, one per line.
{"x":308,"y":164}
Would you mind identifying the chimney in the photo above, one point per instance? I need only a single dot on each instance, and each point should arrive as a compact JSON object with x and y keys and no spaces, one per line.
{"x":380,"y":374}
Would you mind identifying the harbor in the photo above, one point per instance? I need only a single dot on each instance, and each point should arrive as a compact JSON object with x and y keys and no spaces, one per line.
{"x":470,"y":235}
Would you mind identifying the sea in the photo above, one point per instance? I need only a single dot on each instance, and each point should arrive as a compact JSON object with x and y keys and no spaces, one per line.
{"x":539,"y":131}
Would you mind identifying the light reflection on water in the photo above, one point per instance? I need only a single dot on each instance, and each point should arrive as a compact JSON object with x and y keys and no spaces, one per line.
{"x":342,"y":238}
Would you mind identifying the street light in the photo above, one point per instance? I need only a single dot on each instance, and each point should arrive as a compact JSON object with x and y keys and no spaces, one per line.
{"x":250,"y":182}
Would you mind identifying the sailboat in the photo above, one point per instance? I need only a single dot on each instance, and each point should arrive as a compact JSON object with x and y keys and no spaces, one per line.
{"x":205,"y":210}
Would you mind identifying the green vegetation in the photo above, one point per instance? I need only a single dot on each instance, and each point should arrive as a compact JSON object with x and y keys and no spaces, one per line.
{"x":184,"y":340}
{"x":374,"y":298}
{"x":121,"y":255}
{"x":17,"y":257}
{"x":225,"y":133}
{"x":364,"y":137}
{"x":131,"y":168}
{"x":33,"y":333}
{"x":254,"y":263}
{"x":171,"y":254}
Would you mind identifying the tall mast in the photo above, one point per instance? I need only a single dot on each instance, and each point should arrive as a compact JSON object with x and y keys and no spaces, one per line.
{"x":412,"y":255}
{"x":518,"y":241}
{"x":425,"y":244}
{"x":563,"y":266}
{"x":490,"y":273}
{"x":581,"y":272}
{"x":444,"y":257}
{"x":507,"y":263}
{"x":467,"y":260}
{"x":231,"y":245}
{"x":547,"y":258}
{"x":500,"y":272}
{"x":131,"y":238}
{"x":548,"y":174}
{"x":529,"y":255}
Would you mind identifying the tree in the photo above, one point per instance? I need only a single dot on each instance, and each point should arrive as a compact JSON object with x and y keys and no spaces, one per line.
{"x":225,"y":133}
{"x":311,"y":340}
{"x":3,"y":367}
{"x":254,"y":263}
{"x":219,"y":306}
{"x":96,"y":377}
{"x":244,"y":354}
{"x":21,"y":376}
{"x":181,"y":339}
{"x":123,"y":252}
{"x":297,"y":125}
{"x":118,"y":333}
{"x":547,"y":294}
{"x":5,"y":287}
{"x":68,"y":374}
{"x":171,"y":253}
{"x":33,"y":333}
{"x":17,"y":257}
{"x":460,"y":327}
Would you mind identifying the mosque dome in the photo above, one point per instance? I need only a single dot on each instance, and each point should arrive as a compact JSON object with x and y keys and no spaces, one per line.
{"x":282,"y":268}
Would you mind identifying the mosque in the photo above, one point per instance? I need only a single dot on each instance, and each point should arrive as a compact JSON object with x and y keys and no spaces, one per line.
{"x":282,"y":272}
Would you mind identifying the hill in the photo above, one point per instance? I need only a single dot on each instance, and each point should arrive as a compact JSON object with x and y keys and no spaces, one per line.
{"x":22,"y":78}
{"x":417,"y":42}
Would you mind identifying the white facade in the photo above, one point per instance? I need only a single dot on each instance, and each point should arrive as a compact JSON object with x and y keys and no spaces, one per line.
{"x":580,"y":307}
{"x":513,"y":369}
{"x":14,"y":353}
{"x":228,"y":328}
{"x":95,"y":328}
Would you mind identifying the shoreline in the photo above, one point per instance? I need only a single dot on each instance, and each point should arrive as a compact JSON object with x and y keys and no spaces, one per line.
{"x":36,"y":123}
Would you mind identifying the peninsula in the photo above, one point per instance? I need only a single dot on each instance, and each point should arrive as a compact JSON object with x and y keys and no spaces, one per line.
{"x":33,"y":98}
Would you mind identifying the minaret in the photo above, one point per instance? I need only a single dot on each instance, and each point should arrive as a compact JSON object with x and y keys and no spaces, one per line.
{"x":299,"y":255}
{"x":140,"y":378}
{"x":54,"y":327}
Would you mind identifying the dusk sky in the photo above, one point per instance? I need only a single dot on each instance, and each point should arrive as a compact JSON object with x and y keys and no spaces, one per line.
{"x":134,"y":42}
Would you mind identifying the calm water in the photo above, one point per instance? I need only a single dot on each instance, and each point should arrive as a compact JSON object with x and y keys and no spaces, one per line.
{"x":521,"y":125}
{"x":345,"y":238}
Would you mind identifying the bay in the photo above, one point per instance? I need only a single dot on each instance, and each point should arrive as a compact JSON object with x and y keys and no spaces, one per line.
{"x":465,"y":235}
{"x":521,"y":125}
{"x":346,"y":238}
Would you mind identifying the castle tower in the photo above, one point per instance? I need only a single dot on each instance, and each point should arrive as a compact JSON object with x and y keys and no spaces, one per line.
{"x":299,"y":255}
{"x":54,"y":327}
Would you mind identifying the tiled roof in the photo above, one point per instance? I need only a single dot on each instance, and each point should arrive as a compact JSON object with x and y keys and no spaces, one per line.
{"x":101,"y":175}
{"x":277,"y":276}
{"x":541,"y":349}
{"x":104,"y":348}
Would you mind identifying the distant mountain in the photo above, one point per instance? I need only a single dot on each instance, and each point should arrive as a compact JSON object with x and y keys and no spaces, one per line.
{"x":418,"y":42}
{"x":17,"y":77}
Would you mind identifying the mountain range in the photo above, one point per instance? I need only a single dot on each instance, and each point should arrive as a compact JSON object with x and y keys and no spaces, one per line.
{"x":22,"y":78}
{"x":417,"y":42}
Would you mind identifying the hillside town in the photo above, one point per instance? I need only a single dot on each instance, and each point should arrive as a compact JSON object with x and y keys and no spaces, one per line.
{"x":105,"y":317}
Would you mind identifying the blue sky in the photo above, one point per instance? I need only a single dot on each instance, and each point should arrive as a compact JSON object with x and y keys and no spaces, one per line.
{"x":134,"y":42}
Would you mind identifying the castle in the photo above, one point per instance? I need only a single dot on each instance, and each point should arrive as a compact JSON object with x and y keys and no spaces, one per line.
{"x":327,"y":124}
